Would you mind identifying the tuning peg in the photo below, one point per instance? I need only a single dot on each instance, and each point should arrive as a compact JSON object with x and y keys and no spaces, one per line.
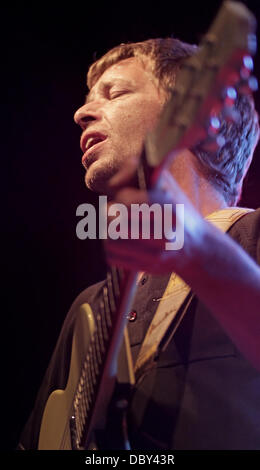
{"x":248,"y":62}
{"x":213,"y":144}
{"x":214,"y":124}
{"x":230,"y":114}
{"x":253,"y":83}
{"x":247,"y":67}
{"x":214,"y":140}
{"x":229,"y":96}
{"x":248,"y":86}
{"x":252,"y":43}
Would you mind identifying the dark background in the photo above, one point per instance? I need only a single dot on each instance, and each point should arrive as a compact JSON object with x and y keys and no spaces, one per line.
{"x":45,"y":52}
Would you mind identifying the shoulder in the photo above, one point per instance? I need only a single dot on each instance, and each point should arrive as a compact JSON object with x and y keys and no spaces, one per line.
{"x":59,"y":364}
{"x":90,"y":295}
{"x":56,"y":375}
{"x":246,"y":231}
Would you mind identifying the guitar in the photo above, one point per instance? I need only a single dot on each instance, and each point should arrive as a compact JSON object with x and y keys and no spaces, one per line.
{"x":77,"y":417}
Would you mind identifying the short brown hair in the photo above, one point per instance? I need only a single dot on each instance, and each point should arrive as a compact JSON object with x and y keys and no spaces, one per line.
{"x":166,"y":57}
{"x":227,"y":167}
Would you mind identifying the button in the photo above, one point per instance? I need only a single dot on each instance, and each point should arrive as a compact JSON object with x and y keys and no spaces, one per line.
{"x":132,"y":315}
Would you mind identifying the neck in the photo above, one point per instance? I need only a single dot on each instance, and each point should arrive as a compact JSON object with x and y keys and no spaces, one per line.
{"x":204,"y":197}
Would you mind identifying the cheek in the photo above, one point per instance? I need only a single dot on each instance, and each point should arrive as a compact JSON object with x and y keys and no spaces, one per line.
{"x":136,"y":119}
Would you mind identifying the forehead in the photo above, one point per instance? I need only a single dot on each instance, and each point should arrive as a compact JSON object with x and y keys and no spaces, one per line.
{"x":134,"y":66}
{"x":131,"y":70}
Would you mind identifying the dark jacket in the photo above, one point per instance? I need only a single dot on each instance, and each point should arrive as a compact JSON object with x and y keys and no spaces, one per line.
{"x":203,"y":394}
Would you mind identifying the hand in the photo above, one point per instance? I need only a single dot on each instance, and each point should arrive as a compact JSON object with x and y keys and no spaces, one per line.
{"x":156,"y":254}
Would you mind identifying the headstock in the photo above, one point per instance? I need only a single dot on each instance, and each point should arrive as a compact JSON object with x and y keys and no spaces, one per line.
{"x":207,"y":86}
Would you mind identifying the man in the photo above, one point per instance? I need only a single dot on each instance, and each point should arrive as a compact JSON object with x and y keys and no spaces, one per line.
{"x":203,"y":392}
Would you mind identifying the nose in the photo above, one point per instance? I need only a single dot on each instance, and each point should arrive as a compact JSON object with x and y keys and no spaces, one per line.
{"x":85,"y":114}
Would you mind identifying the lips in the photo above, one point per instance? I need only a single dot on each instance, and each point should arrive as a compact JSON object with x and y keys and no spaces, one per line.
{"x":91,"y":138}
{"x":88,"y":142}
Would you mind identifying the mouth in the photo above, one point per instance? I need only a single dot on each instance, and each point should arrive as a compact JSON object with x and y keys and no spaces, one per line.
{"x":89,"y":144}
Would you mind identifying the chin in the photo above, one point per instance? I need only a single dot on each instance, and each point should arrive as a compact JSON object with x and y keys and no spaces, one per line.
{"x":98,"y":187}
{"x":98,"y":176}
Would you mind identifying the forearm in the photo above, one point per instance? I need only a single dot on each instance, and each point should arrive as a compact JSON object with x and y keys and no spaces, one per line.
{"x":227,"y":281}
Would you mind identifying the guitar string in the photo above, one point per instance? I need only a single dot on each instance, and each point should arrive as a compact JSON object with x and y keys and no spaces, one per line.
{"x":111,"y":292}
{"x":77,"y":410}
{"x":88,"y":378}
{"x":97,"y":348}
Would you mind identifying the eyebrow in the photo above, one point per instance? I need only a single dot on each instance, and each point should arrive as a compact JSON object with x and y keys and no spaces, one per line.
{"x":87,"y":98}
{"x":108,"y":84}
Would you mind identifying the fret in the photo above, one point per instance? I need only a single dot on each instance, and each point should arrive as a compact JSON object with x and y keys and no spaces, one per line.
{"x":98,"y":351}
{"x":104,"y":317}
{"x":115,"y":282}
{"x":89,"y":394}
{"x":95,"y":354}
{"x":90,"y":386}
{"x":78,"y":410}
{"x":105,"y":328}
{"x":76,"y":428}
{"x":81,"y":414}
{"x":111,"y":296}
{"x":77,"y":421}
{"x":93,"y":364}
{"x":107,"y":310}
{"x":82,"y":385}
{"x":91,"y":367}
{"x":80,"y":424}
{"x":88,"y":376}
{"x":87,"y":400}
{"x":84,"y":402}
{"x":86,"y":389}
{"x":100,"y":335}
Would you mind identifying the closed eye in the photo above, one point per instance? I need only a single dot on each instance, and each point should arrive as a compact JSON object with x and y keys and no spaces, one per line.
{"x":116,"y":93}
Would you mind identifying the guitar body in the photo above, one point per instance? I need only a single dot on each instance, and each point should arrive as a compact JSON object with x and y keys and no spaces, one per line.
{"x":55,"y":427}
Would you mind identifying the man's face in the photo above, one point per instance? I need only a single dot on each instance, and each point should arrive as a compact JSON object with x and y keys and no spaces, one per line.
{"x":123,"y":105}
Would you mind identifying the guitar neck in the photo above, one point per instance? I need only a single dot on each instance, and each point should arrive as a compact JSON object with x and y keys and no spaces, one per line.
{"x":100,"y":366}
